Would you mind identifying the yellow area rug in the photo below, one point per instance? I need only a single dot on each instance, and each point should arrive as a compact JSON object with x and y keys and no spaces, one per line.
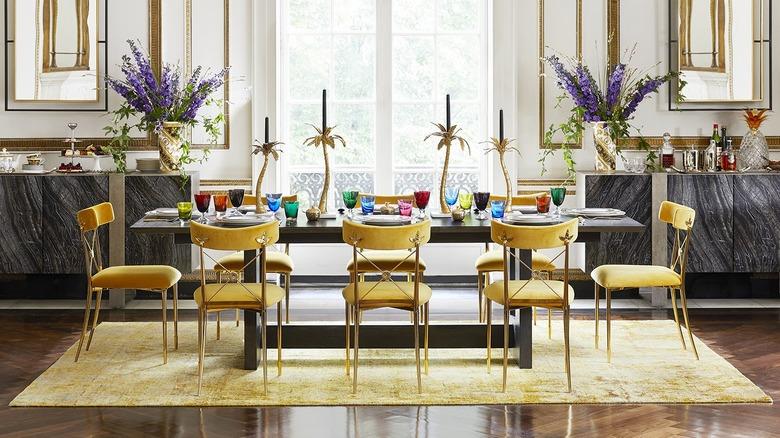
{"x":124,"y":368}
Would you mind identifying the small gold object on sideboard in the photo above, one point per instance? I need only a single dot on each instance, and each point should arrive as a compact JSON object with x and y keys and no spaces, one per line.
{"x":458,"y":214}
{"x":313,"y":214}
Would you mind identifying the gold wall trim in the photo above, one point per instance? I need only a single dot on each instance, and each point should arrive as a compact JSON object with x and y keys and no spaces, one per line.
{"x":686,"y":141}
{"x":527,"y":186}
{"x":225,"y":182}
{"x":138,"y":143}
{"x":613,"y":31}
{"x":541,"y":73}
{"x":226,"y":63}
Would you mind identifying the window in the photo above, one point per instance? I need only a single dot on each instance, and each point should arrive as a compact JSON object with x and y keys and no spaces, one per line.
{"x":387,"y":65}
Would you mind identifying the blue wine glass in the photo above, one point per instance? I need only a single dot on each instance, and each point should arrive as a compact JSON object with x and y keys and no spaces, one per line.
{"x":274,"y":201}
{"x":451,"y":196}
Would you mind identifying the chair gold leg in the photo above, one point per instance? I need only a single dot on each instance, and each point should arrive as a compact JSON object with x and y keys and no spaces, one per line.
{"x":264,"y":336}
{"x":506,"y":347}
{"x":673,"y":292}
{"x":238,"y":317}
{"x":95,"y":317}
{"x":84,"y":326}
{"x":596,"y":293}
{"x":347,"y":318}
{"x":176,"y":316}
{"x":533,"y":312}
{"x":479,"y":296}
{"x":609,"y":325}
{"x":279,"y":338}
{"x":567,"y":352}
{"x":425,"y":335}
{"x":549,"y":323}
{"x":219,"y":324}
{"x":287,"y":298}
{"x":416,"y":315}
{"x":687,"y":323}
{"x":164,"y":296}
{"x":489,"y":319}
{"x":355,"y":351}
{"x":202,"y":317}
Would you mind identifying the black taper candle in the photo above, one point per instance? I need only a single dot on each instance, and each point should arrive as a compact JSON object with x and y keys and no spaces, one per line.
{"x":266,"y":130}
{"x":324,"y":109}
{"x":501,"y":125}
{"x":448,"y":112}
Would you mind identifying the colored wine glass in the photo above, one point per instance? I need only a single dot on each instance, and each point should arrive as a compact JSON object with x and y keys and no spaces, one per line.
{"x":274,"y":201}
{"x":185,"y":212}
{"x":543,"y":203}
{"x":465,"y":200}
{"x":291,"y":210}
{"x":367,"y":204}
{"x":236,"y":199}
{"x":350,"y":200}
{"x":404,"y":207}
{"x":497,"y":209}
{"x":558,"y":194}
{"x":481,"y":200}
{"x":421,"y":198}
{"x":451,"y":196}
{"x":220,"y":204}
{"x":203,"y":202}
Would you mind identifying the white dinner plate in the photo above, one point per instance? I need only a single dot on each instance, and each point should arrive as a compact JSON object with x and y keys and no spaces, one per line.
{"x":530,"y":219}
{"x":167,"y":213}
{"x":384,"y":219}
{"x":529,"y":209}
{"x":245,"y":220}
{"x":595,"y":212}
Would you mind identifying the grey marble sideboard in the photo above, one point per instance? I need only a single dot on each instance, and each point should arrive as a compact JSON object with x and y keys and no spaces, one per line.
{"x":41,"y":236}
{"x":737,"y":227}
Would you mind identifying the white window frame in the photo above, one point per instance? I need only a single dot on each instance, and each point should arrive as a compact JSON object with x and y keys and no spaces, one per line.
{"x":384,"y":168}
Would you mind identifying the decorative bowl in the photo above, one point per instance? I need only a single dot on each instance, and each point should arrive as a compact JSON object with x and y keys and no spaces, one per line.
{"x":313,"y":214}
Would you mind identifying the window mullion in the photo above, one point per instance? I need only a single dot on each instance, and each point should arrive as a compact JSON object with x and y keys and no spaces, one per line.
{"x":383,"y":178}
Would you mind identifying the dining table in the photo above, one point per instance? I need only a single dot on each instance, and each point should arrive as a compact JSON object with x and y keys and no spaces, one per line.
{"x":391,"y":335}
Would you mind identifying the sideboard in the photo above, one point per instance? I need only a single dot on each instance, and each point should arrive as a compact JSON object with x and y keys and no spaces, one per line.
{"x":41,"y":235}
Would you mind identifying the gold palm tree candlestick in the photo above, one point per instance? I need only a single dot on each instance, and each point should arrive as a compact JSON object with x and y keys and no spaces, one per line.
{"x":501,"y":146}
{"x":324,"y":138}
{"x":268,"y":149}
{"x":447,"y":135}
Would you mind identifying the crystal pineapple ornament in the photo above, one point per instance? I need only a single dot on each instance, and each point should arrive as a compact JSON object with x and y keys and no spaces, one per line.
{"x":754,"y":150}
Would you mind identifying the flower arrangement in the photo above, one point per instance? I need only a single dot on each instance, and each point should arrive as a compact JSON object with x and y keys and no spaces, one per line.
{"x":611,"y":105}
{"x":156,"y":104}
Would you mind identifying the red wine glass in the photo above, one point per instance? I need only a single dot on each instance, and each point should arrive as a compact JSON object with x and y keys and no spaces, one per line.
{"x":421,"y":198}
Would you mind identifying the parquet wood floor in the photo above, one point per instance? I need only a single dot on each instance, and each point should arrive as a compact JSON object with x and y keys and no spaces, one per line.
{"x":750,"y":339}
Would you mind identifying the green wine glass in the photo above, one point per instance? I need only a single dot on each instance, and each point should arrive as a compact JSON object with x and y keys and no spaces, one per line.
{"x":350,"y":200}
{"x":558,"y":194}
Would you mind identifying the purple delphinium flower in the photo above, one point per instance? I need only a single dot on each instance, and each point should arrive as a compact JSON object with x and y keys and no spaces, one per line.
{"x":566,"y":80}
{"x":614,"y":86}
{"x":643,"y":88}
{"x":590,"y":94}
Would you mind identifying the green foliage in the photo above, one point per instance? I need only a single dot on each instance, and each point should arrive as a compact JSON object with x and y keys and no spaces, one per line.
{"x":119,"y":131}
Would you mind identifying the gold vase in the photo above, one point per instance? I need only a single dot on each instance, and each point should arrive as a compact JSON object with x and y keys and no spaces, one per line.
{"x":170,"y":146}
{"x":606,"y":150}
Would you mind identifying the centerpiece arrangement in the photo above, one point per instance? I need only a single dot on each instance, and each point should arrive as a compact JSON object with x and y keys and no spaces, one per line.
{"x":609,"y":107}
{"x":268,"y":149}
{"x":324,"y":138}
{"x":166,"y":105}
{"x":501,"y":146}
{"x":447,"y":134}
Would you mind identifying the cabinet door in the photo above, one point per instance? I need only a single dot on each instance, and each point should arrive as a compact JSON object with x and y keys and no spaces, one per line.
{"x":712,"y":196}
{"x":64,"y":196}
{"x":632,"y":194}
{"x":145,"y":193}
{"x":756,"y":223}
{"x":21,"y":201}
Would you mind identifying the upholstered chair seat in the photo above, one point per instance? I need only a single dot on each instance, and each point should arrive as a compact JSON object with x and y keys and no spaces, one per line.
{"x":633,"y":276}
{"x":232,"y":295}
{"x":541,"y":293}
{"x":493,"y":261}
{"x":398,"y":295}
{"x":136,"y":277}
{"x":398,"y":260}
{"x":276,"y":262}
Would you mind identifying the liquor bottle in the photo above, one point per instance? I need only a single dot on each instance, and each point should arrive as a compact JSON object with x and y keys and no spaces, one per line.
{"x":718,"y":145}
{"x":667,"y":152}
{"x":715,"y":133}
{"x":728,"y":159}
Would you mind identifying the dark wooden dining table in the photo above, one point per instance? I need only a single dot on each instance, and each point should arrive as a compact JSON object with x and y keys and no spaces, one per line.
{"x":442,"y":335}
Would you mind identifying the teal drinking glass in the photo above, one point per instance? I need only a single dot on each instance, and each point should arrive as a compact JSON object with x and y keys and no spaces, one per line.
{"x":291,"y":210}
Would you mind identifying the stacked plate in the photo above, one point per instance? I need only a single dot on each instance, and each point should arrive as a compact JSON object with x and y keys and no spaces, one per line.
{"x":383,"y":219}
{"x":167,"y":213}
{"x":147,"y":164}
{"x":245,"y":220}
{"x":530,"y":219}
{"x":595,"y":212}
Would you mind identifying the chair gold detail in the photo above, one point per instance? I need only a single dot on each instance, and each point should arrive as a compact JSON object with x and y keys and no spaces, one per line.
{"x":492,"y":261}
{"x":152,"y":278}
{"x":619,"y":277}
{"x":362,"y":295}
{"x":278,"y":262}
{"x":516,"y":294}
{"x":257,"y":297}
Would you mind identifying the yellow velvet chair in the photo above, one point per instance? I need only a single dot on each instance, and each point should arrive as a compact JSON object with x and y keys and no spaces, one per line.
{"x":152,"y":278}
{"x":493,"y":261}
{"x":385,"y":259}
{"x":516,"y":294}
{"x":619,"y":277}
{"x":362,"y":295}
{"x":257,"y":297}
{"x":277,"y":262}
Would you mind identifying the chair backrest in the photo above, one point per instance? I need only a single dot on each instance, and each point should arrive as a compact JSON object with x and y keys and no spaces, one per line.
{"x":681,"y":219}
{"x":526,"y":200}
{"x":385,"y":199}
{"x":531,"y":238}
{"x":252,"y":199}
{"x":90,"y":220}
